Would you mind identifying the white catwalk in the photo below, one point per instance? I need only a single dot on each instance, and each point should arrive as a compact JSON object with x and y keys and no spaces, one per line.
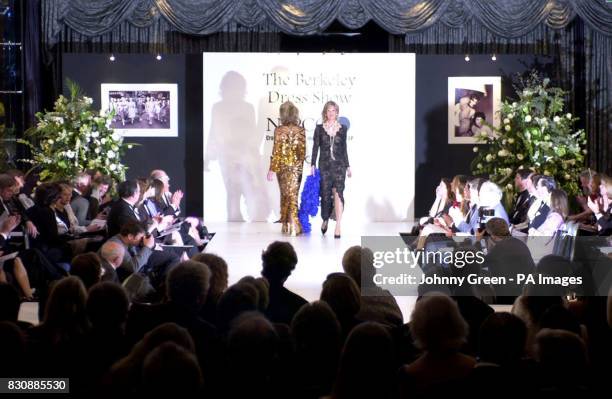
{"x":241,"y":244}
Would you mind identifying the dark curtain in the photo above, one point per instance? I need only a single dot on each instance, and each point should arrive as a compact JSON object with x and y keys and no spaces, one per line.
{"x":32,"y":55}
{"x":582,"y":67}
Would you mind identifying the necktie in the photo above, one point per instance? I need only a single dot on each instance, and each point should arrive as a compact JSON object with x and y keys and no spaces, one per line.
{"x":136,"y":213}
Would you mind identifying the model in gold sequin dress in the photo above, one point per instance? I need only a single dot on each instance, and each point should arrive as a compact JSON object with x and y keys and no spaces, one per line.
{"x":287,"y":162}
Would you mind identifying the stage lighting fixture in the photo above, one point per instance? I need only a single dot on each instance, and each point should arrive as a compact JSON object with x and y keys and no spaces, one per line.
{"x":467,"y":58}
{"x":159,"y":57}
{"x":112,"y":57}
{"x":493,"y":58}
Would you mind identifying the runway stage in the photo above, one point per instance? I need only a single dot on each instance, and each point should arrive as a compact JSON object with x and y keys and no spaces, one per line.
{"x":241,"y":244}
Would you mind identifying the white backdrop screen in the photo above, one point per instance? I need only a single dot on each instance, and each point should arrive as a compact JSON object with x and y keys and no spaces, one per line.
{"x":242,"y":96}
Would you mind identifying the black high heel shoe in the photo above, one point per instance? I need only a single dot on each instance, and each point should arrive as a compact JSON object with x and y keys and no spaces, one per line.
{"x":336,"y":235}
{"x":324,"y":227}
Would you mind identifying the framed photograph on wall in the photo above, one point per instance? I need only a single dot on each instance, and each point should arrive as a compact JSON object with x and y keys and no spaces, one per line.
{"x":473,"y":107}
{"x":142,"y":109}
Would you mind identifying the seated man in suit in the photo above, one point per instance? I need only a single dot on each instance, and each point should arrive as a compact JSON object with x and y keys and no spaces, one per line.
{"x":79,"y":202}
{"x":525,"y":197}
{"x":11,"y":205}
{"x":538,"y":212}
{"x":124,"y":209}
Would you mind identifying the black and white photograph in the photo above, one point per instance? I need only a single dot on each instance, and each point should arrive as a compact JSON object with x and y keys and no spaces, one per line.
{"x":473,"y":107}
{"x":142,"y":110}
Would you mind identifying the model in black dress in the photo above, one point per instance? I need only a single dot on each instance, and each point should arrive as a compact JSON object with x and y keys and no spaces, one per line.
{"x":330,"y":139}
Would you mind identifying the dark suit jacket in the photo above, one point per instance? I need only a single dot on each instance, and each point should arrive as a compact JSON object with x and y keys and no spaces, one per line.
{"x":540,"y":216}
{"x":121,"y":212}
{"x":506,"y":259}
{"x":283,"y":305}
{"x":521,"y":207}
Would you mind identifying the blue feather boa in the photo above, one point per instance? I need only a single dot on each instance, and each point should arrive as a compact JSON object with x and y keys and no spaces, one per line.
{"x":309,"y":201}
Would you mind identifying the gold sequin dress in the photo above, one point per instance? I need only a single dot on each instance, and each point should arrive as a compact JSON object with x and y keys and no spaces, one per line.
{"x":287,"y":162}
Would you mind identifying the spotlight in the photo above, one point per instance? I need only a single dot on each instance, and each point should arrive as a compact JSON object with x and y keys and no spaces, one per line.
{"x":159,"y":57}
{"x":467,"y":58}
{"x":112,"y":57}
{"x":493,"y":58}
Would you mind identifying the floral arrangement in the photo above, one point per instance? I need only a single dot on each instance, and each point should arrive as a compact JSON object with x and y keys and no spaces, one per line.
{"x":536,"y":133}
{"x":73,"y":138}
{"x":309,"y":201}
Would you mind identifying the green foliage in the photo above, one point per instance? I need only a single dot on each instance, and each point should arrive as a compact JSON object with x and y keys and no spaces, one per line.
{"x":73,"y":138}
{"x":536,"y":133}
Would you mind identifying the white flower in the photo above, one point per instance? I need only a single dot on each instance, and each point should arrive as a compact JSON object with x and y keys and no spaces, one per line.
{"x":584,"y":151}
{"x":547,"y":137}
{"x":50,"y":142}
{"x":527,"y":135}
{"x":475,"y":149}
{"x":528,"y":118}
{"x":116,"y":136}
{"x":520,"y":157}
{"x":70,"y":154}
{"x":130,"y":147}
{"x":502,"y":153}
{"x":568,"y":115}
{"x":112,"y":166}
{"x":567,"y":177}
{"x":527,"y":92}
{"x":110,"y":154}
{"x":514,"y":105}
{"x":115,"y":148}
{"x":547,"y":173}
{"x":507,"y":127}
{"x":95,"y":134}
{"x":103,"y":140}
{"x":483,"y":134}
{"x":97,"y":150}
{"x":506,"y":121}
{"x":504,"y":141}
{"x":88,"y":100}
{"x":479,"y":166}
{"x":510,"y":140}
{"x":489,"y":158}
{"x":511,"y":115}
{"x":556,"y":119}
{"x":509,"y":186}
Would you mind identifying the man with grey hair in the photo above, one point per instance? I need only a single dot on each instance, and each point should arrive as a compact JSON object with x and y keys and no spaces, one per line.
{"x":111,"y":254}
{"x":490,"y":197}
{"x":79,"y":203}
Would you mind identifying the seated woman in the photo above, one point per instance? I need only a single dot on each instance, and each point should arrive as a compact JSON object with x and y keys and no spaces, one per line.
{"x":456,"y":203}
{"x":49,"y":215}
{"x":444,"y":199}
{"x":557,"y":201}
{"x":67,"y":215}
{"x":602,"y":207}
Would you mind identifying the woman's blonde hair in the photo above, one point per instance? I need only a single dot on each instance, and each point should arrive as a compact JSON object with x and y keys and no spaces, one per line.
{"x":559,"y":203}
{"x":289,"y":114}
{"x":327,"y":105}
{"x":607,"y":181}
